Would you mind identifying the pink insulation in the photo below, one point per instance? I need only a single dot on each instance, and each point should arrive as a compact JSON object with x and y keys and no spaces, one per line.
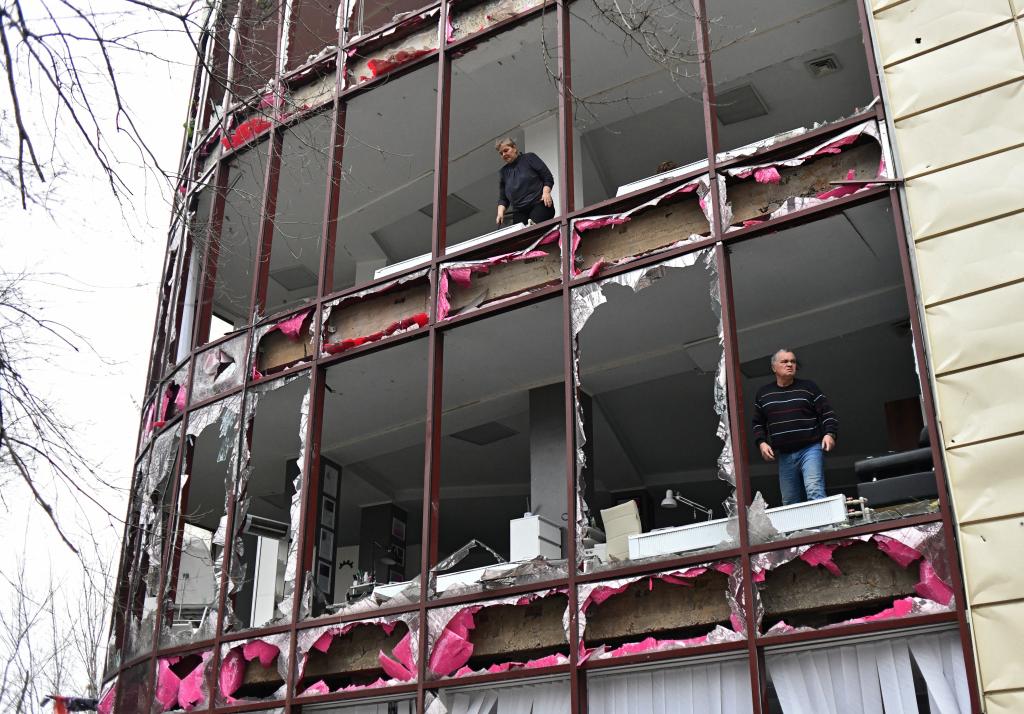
{"x":932,"y":587}
{"x":174,"y":692}
{"x":821,"y":554}
{"x":453,"y":648}
{"x":246,"y":132}
{"x":106,"y":703}
{"x":767,"y":175}
{"x":232,"y":669}
{"x":399,"y":666}
{"x":291,"y":327}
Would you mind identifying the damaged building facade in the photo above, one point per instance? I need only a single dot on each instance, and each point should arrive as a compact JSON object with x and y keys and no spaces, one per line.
{"x":396,"y":458}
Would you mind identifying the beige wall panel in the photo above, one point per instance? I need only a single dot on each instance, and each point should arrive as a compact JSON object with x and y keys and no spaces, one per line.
{"x":960,"y":131}
{"x":972,"y":259}
{"x":1005,"y":703}
{"x":998,"y":633}
{"x":992,"y":555}
{"x":987,"y":480}
{"x":982,"y":403}
{"x":933,"y":22}
{"x":982,"y":189}
{"x":955,"y":70}
{"x":977,"y":329}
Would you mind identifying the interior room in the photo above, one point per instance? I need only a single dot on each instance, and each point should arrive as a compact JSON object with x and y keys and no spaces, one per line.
{"x":637,"y":104}
{"x":209,"y":467}
{"x":239,"y":240}
{"x":503,"y":437}
{"x":647,"y":366}
{"x":832,"y":291}
{"x":365,"y":16}
{"x":298,"y":214}
{"x":768,"y":59}
{"x":386,"y":192}
{"x":372,"y":449}
{"x":263,"y":518}
{"x":313,"y":27}
{"x":489,"y":103}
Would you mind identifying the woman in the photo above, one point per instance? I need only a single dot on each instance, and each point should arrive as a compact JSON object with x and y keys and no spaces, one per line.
{"x":525,"y":185}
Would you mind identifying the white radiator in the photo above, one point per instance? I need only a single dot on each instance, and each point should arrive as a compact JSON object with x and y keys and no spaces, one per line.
{"x":809,"y":514}
{"x":679,"y":539}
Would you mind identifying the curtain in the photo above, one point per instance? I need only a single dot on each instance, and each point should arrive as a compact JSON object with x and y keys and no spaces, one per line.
{"x":544,"y":698}
{"x":717,"y":688}
{"x":873,"y":678}
{"x":941,"y":661}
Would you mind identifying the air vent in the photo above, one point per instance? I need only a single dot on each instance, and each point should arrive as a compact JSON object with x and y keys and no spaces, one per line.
{"x":458,"y":209}
{"x":295,"y":278}
{"x":739,"y":104}
{"x":485,"y":434}
{"x":822,"y":66}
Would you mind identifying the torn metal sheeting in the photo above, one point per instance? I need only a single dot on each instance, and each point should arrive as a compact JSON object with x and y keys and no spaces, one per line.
{"x":767,"y":173}
{"x":478,"y":17}
{"x":284,"y":606}
{"x":590,"y":594}
{"x":269,"y":651}
{"x":399,"y":666}
{"x":698,"y":186}
{"x":375,"y":59}
{"x":328,"y":309}
{"x":924,"y":545}
{"x":462,"y":273}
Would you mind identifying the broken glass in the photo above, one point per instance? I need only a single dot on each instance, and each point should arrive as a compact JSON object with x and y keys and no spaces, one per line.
{"x":653,"y":458}
{"x":386,"y":194}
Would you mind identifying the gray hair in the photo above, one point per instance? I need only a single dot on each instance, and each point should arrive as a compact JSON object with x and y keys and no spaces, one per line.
{"x":775,"y":357}
{"x":507,"y":141}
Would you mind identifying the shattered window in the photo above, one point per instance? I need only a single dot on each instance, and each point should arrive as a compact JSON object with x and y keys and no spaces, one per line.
{"x":268,"y":502}
{"x":257,"y":45}
{"x":154,"y":492}
{"x":830,"y":295}
{"x":298,"y":215}
{"x":779,"y":67}
{"x":238,"y":242}
{"x":370,"y":515}
{"x":637,"y":107}
{"x":217,"y":58}
{"x":196,"y":558}
{"x":386,"y":192}
{"x":314,"y":27}
{"x":490,"y":103}
{"x":365,"y":16}
{"x":503,"y":474}
{"x":196,"y":246}
{"x":655,"y":467}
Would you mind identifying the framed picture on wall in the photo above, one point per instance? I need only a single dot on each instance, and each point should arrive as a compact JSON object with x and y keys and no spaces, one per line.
{"x":330,"y":485}
{"x":398,"y":529}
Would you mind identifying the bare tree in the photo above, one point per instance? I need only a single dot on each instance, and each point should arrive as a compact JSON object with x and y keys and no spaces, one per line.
{"x":51,"y":635}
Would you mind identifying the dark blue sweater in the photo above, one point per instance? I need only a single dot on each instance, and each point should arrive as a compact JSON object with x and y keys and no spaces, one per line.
{"x":790,"y":418}
{"x":523,"y":182}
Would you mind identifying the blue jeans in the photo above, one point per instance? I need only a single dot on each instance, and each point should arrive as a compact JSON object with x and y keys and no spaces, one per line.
{"x":802,"y":475}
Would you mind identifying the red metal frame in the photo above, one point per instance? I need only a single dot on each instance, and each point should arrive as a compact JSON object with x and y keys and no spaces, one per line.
{"x":577,"y":674}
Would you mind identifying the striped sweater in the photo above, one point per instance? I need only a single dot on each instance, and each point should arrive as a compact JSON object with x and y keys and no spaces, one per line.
{"x":790,"y":418}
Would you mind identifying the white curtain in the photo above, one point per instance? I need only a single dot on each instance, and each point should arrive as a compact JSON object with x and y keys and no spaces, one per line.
{"x":872,"y":678}
{"x":544,"y":698}
{"x":941,"y":661}
{"x":717,"y":688}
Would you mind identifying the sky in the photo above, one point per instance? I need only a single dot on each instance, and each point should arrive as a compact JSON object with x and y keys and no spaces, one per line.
{"x":94,"y":265}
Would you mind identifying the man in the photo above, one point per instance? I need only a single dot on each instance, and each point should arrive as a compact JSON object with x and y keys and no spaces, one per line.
{"x":794,"y":424}
{"x":525,"y":185}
